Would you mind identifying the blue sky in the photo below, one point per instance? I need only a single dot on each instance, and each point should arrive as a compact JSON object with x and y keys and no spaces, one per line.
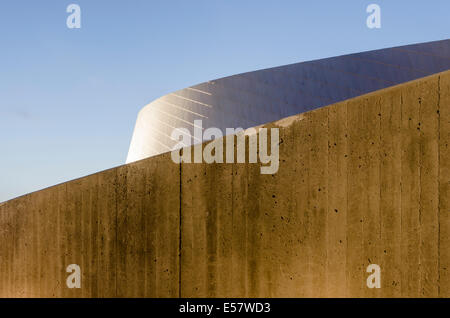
{"x":69,"y":97}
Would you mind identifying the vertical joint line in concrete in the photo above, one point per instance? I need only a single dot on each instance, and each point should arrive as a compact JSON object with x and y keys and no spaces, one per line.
{"x":421,"y":289}
{"x":401,"y":186}
{"x":439,"y":186}
{"x":180,"y":225}
{"x":232,"y":213}
{"x":347,"y":151}
{"x":380,"y":163}
{"x":116,"y":233}
{"x":327,"y":197}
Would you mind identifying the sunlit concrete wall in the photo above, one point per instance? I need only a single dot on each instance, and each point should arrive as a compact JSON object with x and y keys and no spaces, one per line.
{"x":121,"y":226}
{"x":255,"y":98}
{"x":364,"y":181}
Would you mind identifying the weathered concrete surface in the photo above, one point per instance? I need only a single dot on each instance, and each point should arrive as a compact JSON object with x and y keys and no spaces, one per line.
{"x":120,"y":226}
{"x":365,"y":181}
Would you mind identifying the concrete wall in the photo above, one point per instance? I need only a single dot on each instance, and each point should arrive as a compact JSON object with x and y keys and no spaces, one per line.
{"x":121,"y":226}
{"x":365,"y":181}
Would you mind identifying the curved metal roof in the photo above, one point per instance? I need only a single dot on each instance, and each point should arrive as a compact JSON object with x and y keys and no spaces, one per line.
{"x":254,"y":98}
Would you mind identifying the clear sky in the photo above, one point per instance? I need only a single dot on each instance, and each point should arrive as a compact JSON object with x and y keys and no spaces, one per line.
{"x":69,"y":97}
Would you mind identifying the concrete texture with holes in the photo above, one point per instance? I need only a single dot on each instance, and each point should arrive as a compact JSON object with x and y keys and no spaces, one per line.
{"x":363,"y":181}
